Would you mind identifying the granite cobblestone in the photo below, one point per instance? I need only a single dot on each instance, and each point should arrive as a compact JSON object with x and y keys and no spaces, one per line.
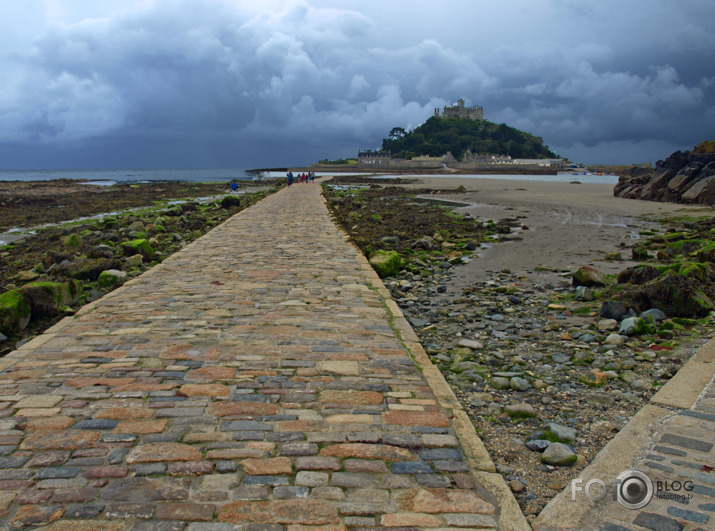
{"x":252,"y":381}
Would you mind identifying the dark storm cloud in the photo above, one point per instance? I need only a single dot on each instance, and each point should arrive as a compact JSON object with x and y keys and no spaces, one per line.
{"x":217,"y":82}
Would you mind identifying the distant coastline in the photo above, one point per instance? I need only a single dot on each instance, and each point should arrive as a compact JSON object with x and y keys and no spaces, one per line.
{"x":492,"y":169}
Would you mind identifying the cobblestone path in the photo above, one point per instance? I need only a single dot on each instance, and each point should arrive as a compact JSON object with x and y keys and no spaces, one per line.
{"x":679,"y":461}
{"x":257,"y":380}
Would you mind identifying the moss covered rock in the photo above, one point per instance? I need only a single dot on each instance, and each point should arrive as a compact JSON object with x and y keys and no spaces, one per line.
{"x":72,"y":241}
{"x":386,"y":263}
{"x":86,"y":268}
{"x":139,"y":246}
{"x":673,"y":293}
{"x":588,"y":276}
{"x":15,"y":311}
{"x":111,"y":278}
{"x":48,"y":298}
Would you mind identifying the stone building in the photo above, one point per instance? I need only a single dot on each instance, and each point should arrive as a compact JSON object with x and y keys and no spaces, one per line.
{"x":374,"y":159}
{"x":460,"y":111}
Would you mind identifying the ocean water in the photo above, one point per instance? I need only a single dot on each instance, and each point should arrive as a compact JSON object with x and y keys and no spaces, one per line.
{"x":109,"y":177}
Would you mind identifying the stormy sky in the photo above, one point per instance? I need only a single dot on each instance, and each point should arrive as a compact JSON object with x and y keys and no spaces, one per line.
{"x":249,"y":83}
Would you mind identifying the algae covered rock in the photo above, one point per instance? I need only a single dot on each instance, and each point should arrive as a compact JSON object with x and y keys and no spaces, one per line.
{"x":48,"y":298}
{"x":673,"y":293}
{"x":589,"y":277}
{"x":15,"y":311}
{"x":85,"y":268}
{"x":112,"y":278}
{"x":140,"y":246}
{"x":386,"y":263}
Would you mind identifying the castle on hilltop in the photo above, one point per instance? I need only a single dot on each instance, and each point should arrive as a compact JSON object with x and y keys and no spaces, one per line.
{"x":460,"y":111}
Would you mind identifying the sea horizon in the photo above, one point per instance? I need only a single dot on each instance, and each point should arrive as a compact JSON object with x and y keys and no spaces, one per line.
{"x":108,"y":177}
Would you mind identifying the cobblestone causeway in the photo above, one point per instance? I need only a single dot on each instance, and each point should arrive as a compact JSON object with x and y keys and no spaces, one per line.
{"x":680,"y":463}
{"x":255,"y":381}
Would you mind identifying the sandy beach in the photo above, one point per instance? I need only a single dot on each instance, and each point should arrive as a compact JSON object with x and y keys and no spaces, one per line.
{"x":569,"y":225}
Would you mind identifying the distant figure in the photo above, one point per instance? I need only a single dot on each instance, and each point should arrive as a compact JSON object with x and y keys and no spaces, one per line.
{"x":290,"y":178}
{"x":234,"y":186}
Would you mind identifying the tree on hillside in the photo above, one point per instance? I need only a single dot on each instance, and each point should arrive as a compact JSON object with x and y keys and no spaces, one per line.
{"x":396,"y":133}
{"x":438,"y":135}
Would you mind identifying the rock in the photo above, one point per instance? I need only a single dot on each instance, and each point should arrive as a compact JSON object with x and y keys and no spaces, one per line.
{"x":101,"y":251}
{"x":521,"y":410}
{"x":27,"y":276}
{"x":471,"y":344}
{"x":48,"y":298}
{"x":426,"y":243}
{"x":653,"y":316}
{"x":15,"y":311}
{"x":537,"y":445}
{"x":561,"y":433}
{"x":638,"y":274}
{"x":684,"y":177}
{"x":584,"y":293}
{"x":112,"y":278}
{"x":640,"y":384}
{"x":134,"y":261}
{"x":607,"y":325}
{"x":558,"y":454}
{"x":386,"y":263}
{"x":520,"y":384}
{"x":673,"y":293}
{"x":615,"y":339}
{"x":501,"y":383}
{"x":139,"y":246}
{"x":137,"y":226}
{"x":560,"y":358}
{"x":631,"y":326}
{"x":85,"y":268}
{"x":589,"y":277}
{"x":392,"y":241}
{"x":613,"y":310}
{"x":230,"y":201}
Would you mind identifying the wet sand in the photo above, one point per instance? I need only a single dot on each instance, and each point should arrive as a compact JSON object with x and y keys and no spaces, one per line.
{"x":569,"y":225}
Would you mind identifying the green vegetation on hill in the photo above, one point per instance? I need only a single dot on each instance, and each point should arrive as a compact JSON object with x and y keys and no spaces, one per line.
{"x":439,"y":135}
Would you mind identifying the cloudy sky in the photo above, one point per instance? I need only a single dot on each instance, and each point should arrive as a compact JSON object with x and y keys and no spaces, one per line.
{"x":249,"y":83}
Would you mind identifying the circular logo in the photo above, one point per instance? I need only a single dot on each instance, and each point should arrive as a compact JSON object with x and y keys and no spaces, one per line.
{"x":634,"y":489}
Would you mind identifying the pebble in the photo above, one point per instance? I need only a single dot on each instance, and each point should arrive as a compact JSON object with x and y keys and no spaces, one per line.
{"x":558,"y":454}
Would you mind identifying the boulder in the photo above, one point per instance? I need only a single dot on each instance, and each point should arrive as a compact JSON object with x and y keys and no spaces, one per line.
{"x":386,"y":263}
{"x":112,"y":278}
{"x":672,"y":293}
{"x":48,"y":298}
{"x":391,"y":241}
{"x":85,"y":268}
{"x":15,"y":311}
{"x":426,"y":243}
{"x":139,"y":246}
{"x":589,"y":277}
{"x":684,"y":177}
{"x":613,"y":310}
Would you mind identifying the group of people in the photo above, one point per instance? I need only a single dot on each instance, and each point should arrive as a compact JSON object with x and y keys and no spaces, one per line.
{"x":304,"y":177}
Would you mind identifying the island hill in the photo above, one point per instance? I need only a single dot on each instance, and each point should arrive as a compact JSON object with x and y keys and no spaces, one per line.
{"x":457,"y":140}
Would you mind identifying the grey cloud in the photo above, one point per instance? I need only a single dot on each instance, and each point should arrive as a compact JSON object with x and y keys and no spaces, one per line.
{"x":227,"y":85}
